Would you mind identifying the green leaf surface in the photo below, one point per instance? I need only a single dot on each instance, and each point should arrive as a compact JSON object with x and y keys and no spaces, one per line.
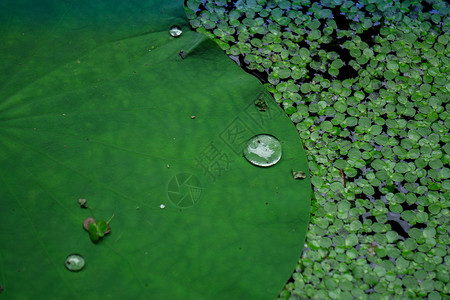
{"x":99,"y":102}
{"x":94,"y":233}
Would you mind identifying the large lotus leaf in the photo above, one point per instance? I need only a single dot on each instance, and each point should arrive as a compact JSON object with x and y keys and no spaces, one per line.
{"x":97,"y":103}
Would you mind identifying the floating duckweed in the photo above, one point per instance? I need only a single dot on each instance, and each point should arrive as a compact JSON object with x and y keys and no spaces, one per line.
{"x":365,"y":86}
{"x":74,"y":262}
{"x":263,"y":150}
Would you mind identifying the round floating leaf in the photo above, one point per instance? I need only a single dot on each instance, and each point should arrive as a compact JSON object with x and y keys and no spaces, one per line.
{"x":402,"y":167}
{"x":351,"y":240}
{"x":305,"y":88}
{"x":355,"y":52}
{"x":392,"y":65}
{"x":333,"y":71}
{"x":411,"y":177}
{"x":337,"y":63}
{"x":99,"y":102}
{"x":340,"y":106}
{"x":436,"y":163}
{"x":304,"y":53}
{"x":314,"y":34}
{"x":371,"y":278}
{"x":381,"y":140}
{"x":284,"y":73}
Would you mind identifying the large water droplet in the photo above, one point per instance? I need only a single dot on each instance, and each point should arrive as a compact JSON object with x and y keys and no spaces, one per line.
{"x":263,"y":150}
{"x":74,"y":262}
{"x":175,"y":31}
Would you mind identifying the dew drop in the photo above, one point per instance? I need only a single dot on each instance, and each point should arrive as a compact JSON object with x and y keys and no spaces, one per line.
{"x":74,"y":262}
{"x":175,"y":31}
{"x":263,"y":150}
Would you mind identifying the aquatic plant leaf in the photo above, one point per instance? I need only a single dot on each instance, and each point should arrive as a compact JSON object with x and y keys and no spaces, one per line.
{"x":94,"y":233}
{"x":102,"y":227}
{"x":98,"y":101}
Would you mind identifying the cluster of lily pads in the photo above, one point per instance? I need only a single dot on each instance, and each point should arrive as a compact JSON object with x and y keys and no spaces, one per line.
{"x":367,"y":85}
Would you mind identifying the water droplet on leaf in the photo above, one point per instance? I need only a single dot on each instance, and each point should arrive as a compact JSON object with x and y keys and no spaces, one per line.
{"x":74,"y":262}
{"x":175,"y":31}
{"x":263,"y":150}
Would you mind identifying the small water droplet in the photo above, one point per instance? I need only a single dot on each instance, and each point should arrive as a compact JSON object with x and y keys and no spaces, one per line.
{"x":175,"y":31}
{"x":74,"y":262}
{"x":263,"y":150}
